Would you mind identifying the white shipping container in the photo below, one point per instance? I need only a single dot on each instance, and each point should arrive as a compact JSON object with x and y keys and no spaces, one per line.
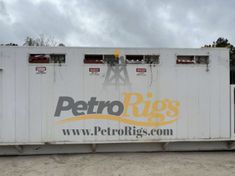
{"x":71,"y":95}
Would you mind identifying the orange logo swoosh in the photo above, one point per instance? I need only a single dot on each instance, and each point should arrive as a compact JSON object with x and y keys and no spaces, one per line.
{"x":115,"y":118}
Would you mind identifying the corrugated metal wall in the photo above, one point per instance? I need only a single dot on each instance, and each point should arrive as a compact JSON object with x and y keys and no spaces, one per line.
{"x":29,"y":99}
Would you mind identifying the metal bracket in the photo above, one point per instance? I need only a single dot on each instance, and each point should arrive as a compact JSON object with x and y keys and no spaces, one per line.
{"x":19,"y":148}
{"x":164,"y":146}
{"x":93,"y":148}
{"x":230,"y":144}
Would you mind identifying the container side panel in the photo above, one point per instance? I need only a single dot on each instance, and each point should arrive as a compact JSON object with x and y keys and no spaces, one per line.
{"x":183,"y":122}
{"x":195,"y":89}
{"x":224,"y":94}
{"x":204,"y":96}
{"x":1,"y":92}
{"x":35,"y":105}
{"x":74,"y":102}
{"x":8,"y":81}
{"x":22,"y":97}
{"x":47,"y":102}
{"x":215,"y":106}
{"x":1,"y":102}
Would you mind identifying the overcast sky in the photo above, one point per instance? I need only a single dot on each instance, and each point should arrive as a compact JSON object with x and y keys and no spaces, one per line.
{"x":140,"y":23}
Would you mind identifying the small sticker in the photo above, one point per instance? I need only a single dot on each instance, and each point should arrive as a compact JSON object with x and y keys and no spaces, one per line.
{"x":141,"y":70}
{"x":94,"y":71}
{"x":41,"y":70}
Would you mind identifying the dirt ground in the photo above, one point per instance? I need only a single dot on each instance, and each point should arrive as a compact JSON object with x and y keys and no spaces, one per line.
{"x":121,"y":164}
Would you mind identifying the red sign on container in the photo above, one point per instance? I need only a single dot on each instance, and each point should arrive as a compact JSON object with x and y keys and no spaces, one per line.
{"x":94,"y":70}
{"x":141,"y":70}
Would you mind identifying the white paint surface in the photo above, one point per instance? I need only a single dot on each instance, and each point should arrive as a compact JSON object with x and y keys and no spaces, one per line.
{"x":28,"y":100}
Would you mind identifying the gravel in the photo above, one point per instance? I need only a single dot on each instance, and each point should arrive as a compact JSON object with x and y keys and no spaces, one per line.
{"x":121,"y":164}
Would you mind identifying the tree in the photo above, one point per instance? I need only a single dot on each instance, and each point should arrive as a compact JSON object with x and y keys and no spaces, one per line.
{"x":61,"y":44}
{"x":29,"y":41}
{"x":223,"y":42}
{"x":9,"y":44}
{"x":41,"y":40}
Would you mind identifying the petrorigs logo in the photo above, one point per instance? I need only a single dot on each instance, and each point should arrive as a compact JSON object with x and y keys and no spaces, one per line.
{"x":131,"y":111}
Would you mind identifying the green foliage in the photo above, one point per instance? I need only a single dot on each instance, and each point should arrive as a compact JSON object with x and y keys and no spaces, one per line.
{"x":224,"y":43}
{"x":9,"y":44}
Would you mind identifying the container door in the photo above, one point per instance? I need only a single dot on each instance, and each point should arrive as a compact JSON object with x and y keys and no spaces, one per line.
{"x":232,"y":90}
